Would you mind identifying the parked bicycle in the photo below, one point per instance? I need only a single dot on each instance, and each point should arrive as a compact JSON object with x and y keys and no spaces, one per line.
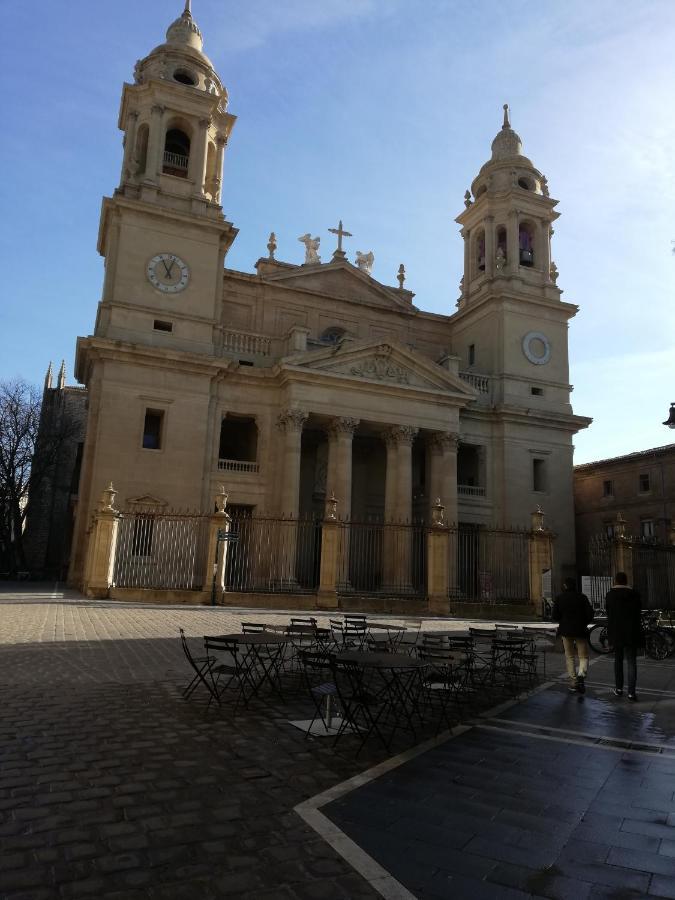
{"x":659,"y":640}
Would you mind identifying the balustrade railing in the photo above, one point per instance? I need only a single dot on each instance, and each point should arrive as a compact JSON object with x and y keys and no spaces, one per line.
{"x":480,"y":382}
{"x":470,"y":490}
{"x":175,"y":160}
{"x":237,"y":465}
{"x":247,"y":342}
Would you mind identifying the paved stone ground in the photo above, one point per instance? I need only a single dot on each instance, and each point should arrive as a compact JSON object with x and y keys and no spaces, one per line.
{"x":111,"y":786}
{"x":531,"y":802}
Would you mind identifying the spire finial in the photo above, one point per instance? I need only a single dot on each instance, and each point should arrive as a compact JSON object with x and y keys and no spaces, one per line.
{"x":61,"y":383}
{"x":188,"y":9}
{"x":48,"y":376}
{"x":507,"y":123}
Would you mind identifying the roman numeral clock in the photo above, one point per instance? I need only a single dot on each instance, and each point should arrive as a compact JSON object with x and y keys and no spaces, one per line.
{"x":168,"y":273}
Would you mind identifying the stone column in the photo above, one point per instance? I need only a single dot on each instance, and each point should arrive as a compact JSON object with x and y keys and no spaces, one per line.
{"x":544,"y":251}
{"x":339,"y":480}
{"x":197,"y":164}
{"x":512,"y":243}
{"x":290,"y":423}
{"x":466,"y":235}
{"x":129,"y":146}
{"x":100,"y":562}
{"x":155,"y":155}
{"x":221,"y":143}
{"x":216,"y":561}
{"x":443,"y":472}
{"x":398,"y":506}
{"x":490,"y":249}
{"x":541,"y":560}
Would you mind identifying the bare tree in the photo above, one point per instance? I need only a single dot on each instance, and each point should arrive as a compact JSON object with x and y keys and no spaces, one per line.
{"x":28,"y":451}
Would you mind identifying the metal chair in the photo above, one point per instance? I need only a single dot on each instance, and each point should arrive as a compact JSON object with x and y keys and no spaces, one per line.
{"x":233,"y":667}
{"x":200,"y":665}
{"x":361,"y":709}
{"x":315,"y":667}
{"x":444,"y":680}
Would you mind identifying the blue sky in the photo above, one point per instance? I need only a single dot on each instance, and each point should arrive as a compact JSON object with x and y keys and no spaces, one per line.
{"x":379,"y":112}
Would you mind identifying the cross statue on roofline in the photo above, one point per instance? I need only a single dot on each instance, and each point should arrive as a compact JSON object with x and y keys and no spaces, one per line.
{"x":339,"y":253}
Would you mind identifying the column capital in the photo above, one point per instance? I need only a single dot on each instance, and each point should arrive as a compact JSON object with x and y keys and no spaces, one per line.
{"x":342,"y":425}
{"x":400,"y":434}
{"x":221,"y":141}
{"x":291,"y":420}
{"x":440,"y":441}
{"x":157,"y":110}
{"x":204,"y":123}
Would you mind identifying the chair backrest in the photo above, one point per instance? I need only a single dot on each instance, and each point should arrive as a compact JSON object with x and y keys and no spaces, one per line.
{"x":253,"y":627}
{"x":303,"y":621}
{"x":315,"y":660}
{"x":429,"y":639}
{"x":378,"y":646}
{"x":226,"y":648}
{"x":186,"y":649}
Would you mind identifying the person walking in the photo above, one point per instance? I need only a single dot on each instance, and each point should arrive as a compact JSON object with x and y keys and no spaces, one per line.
{"x":624,"y":631}
{"x":573,"y":613}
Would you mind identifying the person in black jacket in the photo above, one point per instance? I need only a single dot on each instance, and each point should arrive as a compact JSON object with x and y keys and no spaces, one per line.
{"x":624,"y":631}
{"x":574,"y":613}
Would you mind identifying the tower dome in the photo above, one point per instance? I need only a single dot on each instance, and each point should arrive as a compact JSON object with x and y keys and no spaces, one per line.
{"x":507,"y":144}
{"x":184,"y":32}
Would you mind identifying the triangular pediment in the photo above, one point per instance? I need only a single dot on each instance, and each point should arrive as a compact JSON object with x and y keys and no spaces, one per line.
{"x":342,"y":280}
{"x":146,"y":501}
{"x":388,"y":363}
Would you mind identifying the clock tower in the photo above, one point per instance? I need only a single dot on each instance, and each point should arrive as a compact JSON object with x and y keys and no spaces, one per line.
{"x":163,"y":233}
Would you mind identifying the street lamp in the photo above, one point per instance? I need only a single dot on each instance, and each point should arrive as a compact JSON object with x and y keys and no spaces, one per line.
{"x":670,"y":421}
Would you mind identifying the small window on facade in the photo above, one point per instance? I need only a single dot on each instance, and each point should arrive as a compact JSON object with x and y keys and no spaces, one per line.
{"x":332,"y":335}
{"x":472,"y":354}
{"x":647,"y":529}
{"x":644,"y":482}
{"x":152,"y":429}
{"x":608,"y":488}
{"x":609,"y":529}
{"x":141,"y":540}
{"x":160,"y":325}
{"x":539,"y":475}
{"x":537,"y":392}
{"x":245,"y":362}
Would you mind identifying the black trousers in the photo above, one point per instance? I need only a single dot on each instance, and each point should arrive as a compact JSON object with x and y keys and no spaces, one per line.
{"x":629,"y":653}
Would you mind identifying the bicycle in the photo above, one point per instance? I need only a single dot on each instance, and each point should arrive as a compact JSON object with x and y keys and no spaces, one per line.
{"x":659,"y":641}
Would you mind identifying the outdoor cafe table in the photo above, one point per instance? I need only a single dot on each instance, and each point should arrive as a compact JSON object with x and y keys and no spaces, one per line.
{"x":398,"y":675}
{"x":262,"y":663}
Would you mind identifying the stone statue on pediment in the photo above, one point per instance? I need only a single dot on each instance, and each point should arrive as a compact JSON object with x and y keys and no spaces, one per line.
{"x":312,"y":257}
{"x":365,"y":261}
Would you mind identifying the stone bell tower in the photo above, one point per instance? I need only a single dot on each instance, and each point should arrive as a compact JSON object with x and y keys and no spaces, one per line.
{"x":512,"y":326}
{"x":163,"y":233}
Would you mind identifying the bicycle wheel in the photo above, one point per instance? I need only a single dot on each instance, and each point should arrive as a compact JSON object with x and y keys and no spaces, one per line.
{"x":597,"y":638}
{"x":657,"y":645}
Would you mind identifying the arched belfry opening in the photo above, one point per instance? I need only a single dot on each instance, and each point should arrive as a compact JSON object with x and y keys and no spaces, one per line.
{"x":526,"y":244}
{"x":141,"y":149}
{"x":479,"y":251}
{"x":176,"y":153}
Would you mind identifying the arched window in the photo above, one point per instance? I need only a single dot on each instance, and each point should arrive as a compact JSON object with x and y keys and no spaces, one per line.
{"x":500,"y":246}
{"x":332,"y":335}
{"x":176,"y":153}
{"x":480,"y":251}
{"x":141,"y":150}
{"x":526,"y":244}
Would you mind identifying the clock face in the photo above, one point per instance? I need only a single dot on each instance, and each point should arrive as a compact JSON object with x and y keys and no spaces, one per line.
{"x":168,"y":273}
{"x":537,"y":348}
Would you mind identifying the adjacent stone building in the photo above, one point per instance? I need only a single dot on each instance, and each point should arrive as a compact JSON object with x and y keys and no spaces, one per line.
{"x":639,"y":486}
{"x":303,"y":378}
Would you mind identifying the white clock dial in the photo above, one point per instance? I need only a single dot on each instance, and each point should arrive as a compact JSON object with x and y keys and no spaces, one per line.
{"x":537,"y":348}
{"x":168,"y":273}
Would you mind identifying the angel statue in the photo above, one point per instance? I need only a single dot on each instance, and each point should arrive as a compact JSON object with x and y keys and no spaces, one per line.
{"x":365,"y":261}
{"x":311,"y":247}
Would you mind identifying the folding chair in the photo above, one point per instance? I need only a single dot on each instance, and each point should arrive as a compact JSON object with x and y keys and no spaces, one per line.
{"x":316,"y":666}
{"x":234,"y":668}
{"x":361,"y":709}
{"x":200,"y":665}
{"x":253,"y":627}
{"x":443,"y":680}
{"x":408,"y":640}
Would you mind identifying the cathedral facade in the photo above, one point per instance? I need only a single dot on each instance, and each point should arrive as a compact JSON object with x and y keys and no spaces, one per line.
{"x":298,"y":381}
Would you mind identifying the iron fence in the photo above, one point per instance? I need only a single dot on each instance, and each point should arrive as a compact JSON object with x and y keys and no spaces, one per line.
{"x":382,"y":558}
{"x":166,"y":551}
{"x":653,"y":571}
{"x":489,"y":565}
{"x":273,"y":555}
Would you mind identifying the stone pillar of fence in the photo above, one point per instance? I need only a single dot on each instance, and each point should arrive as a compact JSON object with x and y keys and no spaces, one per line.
{"x":438,"y":562}
{"x":541,"y":559}
{"x":331,"y":531}
{"x":100,"y":562}
{"x":216,"y":557}
{"x":623,"y":549}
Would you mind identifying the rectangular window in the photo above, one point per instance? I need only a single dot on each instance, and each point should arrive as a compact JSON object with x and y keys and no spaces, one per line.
{"x":609,"y":529}
{"x":141,"y":541}
{"x":537,"y":392}
{"x":644,"y":482}
{"x":647,"y":529}
{"x":161,"y":325}
{"x":152,"y":429}
{"x":608,"y":488}
{"x":539,"y":475}
{"x":472,"y":354}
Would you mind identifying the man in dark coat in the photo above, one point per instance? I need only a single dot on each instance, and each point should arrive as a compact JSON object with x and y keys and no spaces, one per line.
{"x":574,"y":613}
{"x":624,"y":631}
